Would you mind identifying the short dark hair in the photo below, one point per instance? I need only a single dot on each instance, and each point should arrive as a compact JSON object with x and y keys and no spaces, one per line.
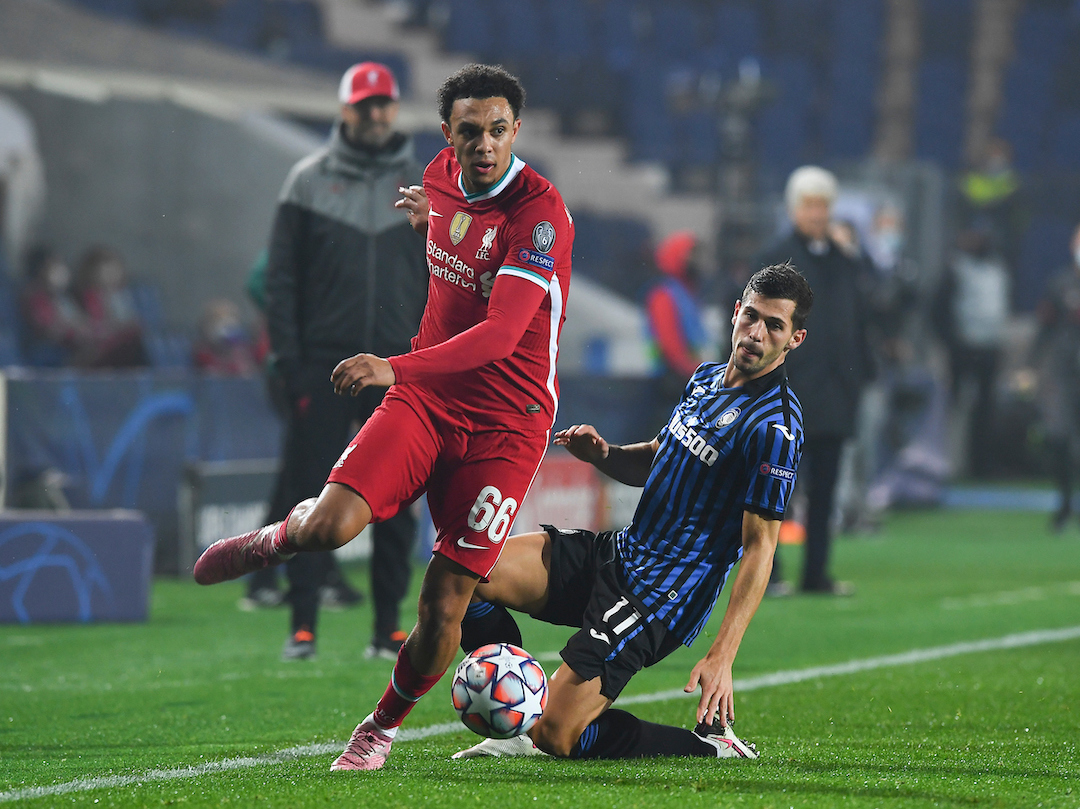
{"x":481,"y":81}
{"x":784,"y":282}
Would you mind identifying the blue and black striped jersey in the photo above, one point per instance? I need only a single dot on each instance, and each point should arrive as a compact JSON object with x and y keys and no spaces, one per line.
{"x":724,"y":451}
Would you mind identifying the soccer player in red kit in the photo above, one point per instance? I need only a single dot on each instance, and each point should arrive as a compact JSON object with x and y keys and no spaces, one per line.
{"x":470,"y":409}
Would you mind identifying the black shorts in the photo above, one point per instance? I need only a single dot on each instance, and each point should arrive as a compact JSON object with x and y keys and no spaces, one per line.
{"x":585,"y":589}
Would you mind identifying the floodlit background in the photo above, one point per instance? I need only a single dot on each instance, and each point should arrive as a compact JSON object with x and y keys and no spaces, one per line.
{"x":163,"y":129}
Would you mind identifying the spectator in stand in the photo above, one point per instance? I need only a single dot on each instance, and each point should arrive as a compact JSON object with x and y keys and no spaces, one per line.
{"x":991,"y":193}
{"x":223,"y":345}
{"x":102,"y":289}
{"x":678,"y":336}
{"x":56,"y":332}
{"x":832,"y":368}
{"x":1059,"y":342}
{"x":972,"y":316}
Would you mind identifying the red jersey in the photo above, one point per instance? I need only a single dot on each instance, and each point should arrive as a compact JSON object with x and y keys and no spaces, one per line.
{"x":499,"y":264}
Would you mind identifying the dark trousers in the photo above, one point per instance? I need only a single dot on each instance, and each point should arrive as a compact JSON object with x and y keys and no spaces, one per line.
{"x":320,"y":426}
{"x":980,"y":366}
{"x":819,"y":470}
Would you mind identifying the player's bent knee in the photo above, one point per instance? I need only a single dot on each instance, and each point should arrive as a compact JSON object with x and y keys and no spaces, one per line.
{"x":553,"y":737}
{"x":325,"y":529}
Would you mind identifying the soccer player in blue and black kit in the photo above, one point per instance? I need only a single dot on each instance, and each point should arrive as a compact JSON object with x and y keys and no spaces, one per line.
{"x":716,"y":482}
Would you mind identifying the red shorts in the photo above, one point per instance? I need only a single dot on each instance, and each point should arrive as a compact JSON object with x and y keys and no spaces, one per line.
{"x":475,"y":476}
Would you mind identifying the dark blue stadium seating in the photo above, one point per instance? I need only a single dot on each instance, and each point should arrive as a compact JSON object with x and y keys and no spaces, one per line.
{"x":612,"y":250}
{"x":283,"y":30}
{"x":939,"y":119}
{"x":1044,"y":251}
{"x":946,"y":29}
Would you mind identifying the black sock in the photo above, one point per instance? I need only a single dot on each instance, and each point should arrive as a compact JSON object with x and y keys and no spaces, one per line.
{"x":618,"y":734}
{"x":487,"y":623}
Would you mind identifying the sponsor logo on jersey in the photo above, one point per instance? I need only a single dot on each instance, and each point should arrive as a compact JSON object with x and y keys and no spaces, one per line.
{"x":544,"y":237}
{"x":784,"y":431}
{"x":689,"y":438}
{"x":450,"y":267}
{"x":484,"y":253}
{"x":781,"y":472}
{"x":727,"y":417}
{"x":459,"y":226}
{"x":463,"y":544}
{"x":536,"y":259}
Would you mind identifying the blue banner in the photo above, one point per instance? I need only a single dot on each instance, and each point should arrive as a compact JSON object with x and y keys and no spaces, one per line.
{"x":79,"y":567}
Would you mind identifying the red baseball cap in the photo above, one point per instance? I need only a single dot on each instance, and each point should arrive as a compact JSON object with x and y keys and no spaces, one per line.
{"x":365,"y":80}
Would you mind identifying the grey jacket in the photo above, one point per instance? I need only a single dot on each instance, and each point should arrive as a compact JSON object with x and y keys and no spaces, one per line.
{"x":346,"y":271}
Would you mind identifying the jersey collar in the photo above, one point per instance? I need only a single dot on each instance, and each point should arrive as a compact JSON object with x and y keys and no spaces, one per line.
{"x":512,"y":171}
{"x":755,"y":387}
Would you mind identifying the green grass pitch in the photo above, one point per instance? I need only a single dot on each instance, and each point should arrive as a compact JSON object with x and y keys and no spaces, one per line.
{"x":110,"y":715}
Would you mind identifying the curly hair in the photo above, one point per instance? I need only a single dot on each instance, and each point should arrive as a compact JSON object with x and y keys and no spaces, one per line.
{"x":481,"y":81}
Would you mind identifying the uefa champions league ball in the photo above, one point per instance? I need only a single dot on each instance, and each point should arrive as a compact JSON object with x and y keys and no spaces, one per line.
{"x":499,"y":691}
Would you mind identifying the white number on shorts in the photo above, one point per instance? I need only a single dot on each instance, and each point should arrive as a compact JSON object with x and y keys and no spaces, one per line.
{"x":492,"y":512}
{"x":503,"y":519}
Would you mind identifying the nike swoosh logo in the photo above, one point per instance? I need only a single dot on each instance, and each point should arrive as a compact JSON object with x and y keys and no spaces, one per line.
{"x":432,"y":212}
{"x":462,"y":543}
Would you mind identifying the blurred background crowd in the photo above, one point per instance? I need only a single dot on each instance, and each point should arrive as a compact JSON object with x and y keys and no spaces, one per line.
{"x":143,"y":144}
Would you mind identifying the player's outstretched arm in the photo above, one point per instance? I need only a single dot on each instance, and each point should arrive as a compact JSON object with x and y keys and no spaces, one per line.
{"x":356,"y":373}
{"x":414,"y":202}
{"x":629,"y":464}
{"x":713,"y":672}
{"x":511,"y":307}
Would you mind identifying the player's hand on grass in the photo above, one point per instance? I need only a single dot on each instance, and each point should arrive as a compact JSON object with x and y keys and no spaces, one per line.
{"x":414,"y":202}
{"x":356,"y":373}
{"x":584,"y":442}
{"x":717,"y":690}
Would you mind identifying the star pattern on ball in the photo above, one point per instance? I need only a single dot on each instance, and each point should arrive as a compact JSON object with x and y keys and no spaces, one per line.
{"x":533,"y":704}
{"x":508,"y":661}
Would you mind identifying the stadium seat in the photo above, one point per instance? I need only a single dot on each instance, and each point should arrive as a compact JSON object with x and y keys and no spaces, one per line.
{"x":240,"y":24}
{"x":737,"y":30}
{"x":1040,"y":33}
{"x":620,"y":43}
{"x":1044,"y":251}
{"x":938,"y":126}
{"x":1027,"y":97}
{"x":797,"y":27}
{"x":524,"y":31}
{"x":856,"y":28}
{"x":676,"y":29}
{"x":1064,"y":143}
{"x":574,"y":28}
{"x":946,"y":28}
{"x":470,"y":27}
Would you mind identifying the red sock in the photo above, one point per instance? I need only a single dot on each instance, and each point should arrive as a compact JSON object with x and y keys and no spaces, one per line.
{"x":281,"y":543}
{"x":406,"y":687}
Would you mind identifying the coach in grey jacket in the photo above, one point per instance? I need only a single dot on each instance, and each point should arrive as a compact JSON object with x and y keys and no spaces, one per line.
{"x":346,"y":274}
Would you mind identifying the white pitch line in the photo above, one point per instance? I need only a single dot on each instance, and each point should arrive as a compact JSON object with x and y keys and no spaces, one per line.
{"x":790,"y":677}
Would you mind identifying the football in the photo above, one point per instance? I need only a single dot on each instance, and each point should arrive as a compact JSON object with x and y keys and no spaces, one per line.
{"x":499,"y":691}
